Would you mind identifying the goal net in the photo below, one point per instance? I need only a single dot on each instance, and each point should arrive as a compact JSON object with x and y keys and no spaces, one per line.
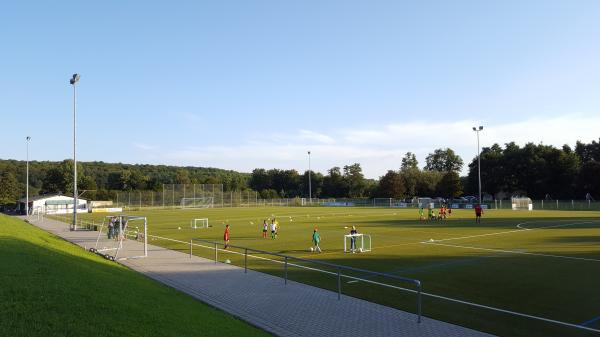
{"x":199,"y":223}
{"x":205,"y":202}
{"x":362,"y":243}
{"x":122,"y":237}
{"x":521,"y":203}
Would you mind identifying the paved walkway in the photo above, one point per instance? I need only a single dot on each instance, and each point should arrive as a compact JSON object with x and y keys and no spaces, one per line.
{"x":263,"y":300}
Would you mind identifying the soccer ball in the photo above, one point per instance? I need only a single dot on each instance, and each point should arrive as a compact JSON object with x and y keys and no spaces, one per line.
{"x":360,"y":250}
{"x":227,"y":261}
{"x":311,"y":249}
{"x":179,"y":228}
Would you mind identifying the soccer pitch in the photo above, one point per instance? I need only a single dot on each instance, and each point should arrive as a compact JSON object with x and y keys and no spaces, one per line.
{"x":539,"y":263}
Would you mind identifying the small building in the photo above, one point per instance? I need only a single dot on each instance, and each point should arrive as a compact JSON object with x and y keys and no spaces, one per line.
{"x":52,"y":204}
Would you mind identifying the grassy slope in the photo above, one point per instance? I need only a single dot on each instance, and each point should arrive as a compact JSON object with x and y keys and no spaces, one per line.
{"x":556,"y":288}
{"x":49,"y":287}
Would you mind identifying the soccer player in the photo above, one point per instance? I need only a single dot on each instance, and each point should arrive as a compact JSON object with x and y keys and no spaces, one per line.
{"x":273,"y":230}
{"x":226,"y":236}
{"x":421,"y":214}
{"x":316,"y":239}
{"x":478,"y":213}
{"x":265,"y":228}
{"x":353,"y":232}
{"x":431,"y":214}
{"x":111,"y":227}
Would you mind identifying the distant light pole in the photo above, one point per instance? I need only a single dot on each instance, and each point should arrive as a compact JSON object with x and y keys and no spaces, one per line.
{"x":73,"y":81}
{"x":478,"y":159}
{"x":309,"y":182}
{"x":27,"y":180}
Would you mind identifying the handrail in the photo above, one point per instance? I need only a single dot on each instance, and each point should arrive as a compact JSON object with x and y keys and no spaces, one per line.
{"x":339,"y":268}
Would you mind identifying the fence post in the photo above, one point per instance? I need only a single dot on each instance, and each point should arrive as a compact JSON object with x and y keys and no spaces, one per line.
{"x":556,"y":203}
{"x":573,"y":203}
{"x":285,"y":268}
{"x":339,"y":279}
{"x":542,"y":203}
{"x":246,"y":261}
{"x":190,"y":248}
{"x":215,"y":253}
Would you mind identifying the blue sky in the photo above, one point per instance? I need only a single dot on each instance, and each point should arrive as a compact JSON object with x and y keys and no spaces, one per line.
{"x":244,"y":84}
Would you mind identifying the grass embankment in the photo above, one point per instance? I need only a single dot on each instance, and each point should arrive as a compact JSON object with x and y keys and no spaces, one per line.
{"x":50,"y":287}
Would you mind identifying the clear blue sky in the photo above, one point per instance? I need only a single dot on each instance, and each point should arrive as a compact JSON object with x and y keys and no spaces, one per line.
{"x":244,"y":84}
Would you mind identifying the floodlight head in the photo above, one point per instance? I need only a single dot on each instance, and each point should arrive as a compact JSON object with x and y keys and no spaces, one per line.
{"x":474,"y":129}
{"x":309,"y":153}
{"x":480,"y":128}
{"x":74,"y":79}
{"x":28,"y":138}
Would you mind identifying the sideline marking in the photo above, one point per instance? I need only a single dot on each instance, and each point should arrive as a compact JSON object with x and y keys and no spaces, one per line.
{"x":513,"y":252}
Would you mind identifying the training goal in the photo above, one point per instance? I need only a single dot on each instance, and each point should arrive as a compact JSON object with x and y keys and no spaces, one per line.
{"x":362,"y":243}
{"x":205,"y":202}
{"x":521,"y":203}
{"x":122,"y":237}
{"x":199,"y":223}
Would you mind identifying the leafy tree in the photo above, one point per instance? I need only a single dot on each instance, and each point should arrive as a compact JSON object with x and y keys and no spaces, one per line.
{"x":450,"y":185}
{"x":589,"y":180}
{"x":355,"y":180}
{"x":443,"y":160}
{"x":409,"y":162}
{"x":391,"y":185}
{"x":9,"y":188}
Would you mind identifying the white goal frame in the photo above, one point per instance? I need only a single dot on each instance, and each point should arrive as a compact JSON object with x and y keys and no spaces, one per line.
{"x":521,"y":203}
{"x":203,"y":223}
{"x":360,"y":243}
{"x":204,"y":202}
{"x":112,"y":253}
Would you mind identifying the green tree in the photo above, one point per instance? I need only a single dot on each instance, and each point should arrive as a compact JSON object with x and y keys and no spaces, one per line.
{"x":9,"y":188}
{"x":391,"y":185}
{"x":355,"y":180}
{"x":409,"y":162}
{"x":450,"y":185}
{"x":443,"y":160}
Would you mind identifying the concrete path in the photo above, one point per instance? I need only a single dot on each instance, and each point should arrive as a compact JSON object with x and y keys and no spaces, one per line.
{"x":263,"y":300}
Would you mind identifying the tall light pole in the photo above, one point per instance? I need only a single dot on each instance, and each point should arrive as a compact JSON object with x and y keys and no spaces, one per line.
{"x":27,"y":180}
{"x":309,"y":182}
{"x":477,"y":129}
{"x":73,"y":81}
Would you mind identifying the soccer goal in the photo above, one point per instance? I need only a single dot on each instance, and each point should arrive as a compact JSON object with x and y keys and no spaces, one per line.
{"x":363,"y":242}
{"x":521,"y":203}
{"x":205,"y":202}
{"x":122,"y":237}
{"x":199,"y":223}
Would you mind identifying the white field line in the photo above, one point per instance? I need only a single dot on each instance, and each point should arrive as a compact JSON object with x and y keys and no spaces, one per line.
{"x":513,"y":252}
{"x":521,"y":229}
{"x":412,"y":291}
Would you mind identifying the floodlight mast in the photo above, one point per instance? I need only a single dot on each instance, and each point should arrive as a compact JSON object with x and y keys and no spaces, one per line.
{"x":309,"y":182}
{"x":73,"y":81}
{"x":477,"y":129}
{"x":27,"y":180}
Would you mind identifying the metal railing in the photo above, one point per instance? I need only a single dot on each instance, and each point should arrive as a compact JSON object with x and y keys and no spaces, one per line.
{"x":339,"y":268}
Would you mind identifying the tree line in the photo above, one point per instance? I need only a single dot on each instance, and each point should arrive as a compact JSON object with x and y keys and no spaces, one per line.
{"x":534,"y":170}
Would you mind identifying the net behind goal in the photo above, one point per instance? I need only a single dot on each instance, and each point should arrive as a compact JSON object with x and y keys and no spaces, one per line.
{"x":521,"y":203}
{"x":205,"y":202}
{"x":362,"y":243}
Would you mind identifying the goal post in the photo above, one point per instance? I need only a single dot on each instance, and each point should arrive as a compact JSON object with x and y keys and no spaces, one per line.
{"x":204,"y":202}
{"x":521,"y":203}
{"x":117,"y":235}
{"x":363,"y":242}
{"x":199,"y":223}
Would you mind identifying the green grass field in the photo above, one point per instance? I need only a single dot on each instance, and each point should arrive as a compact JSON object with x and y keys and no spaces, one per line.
{"x":49,"y":287}
{"x":547,"y":266}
